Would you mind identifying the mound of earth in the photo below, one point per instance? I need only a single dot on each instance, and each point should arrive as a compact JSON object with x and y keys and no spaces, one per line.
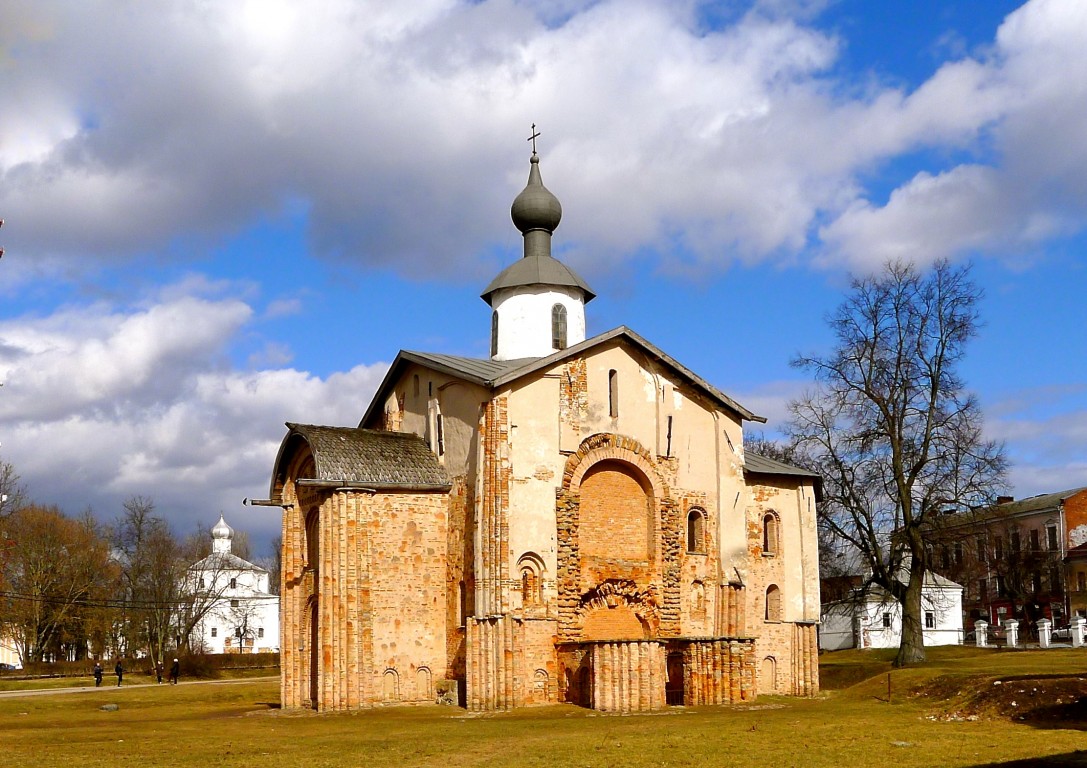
{"x":1048,"y":701}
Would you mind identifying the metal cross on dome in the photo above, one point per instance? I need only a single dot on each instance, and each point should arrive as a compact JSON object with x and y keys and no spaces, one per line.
{"x":533,"y":137}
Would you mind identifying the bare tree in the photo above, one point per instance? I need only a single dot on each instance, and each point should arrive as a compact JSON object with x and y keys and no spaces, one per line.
{"x":12,"y":493}
{"x":273,"y":563}
{"x":891,"y":429}
{"x":206,"y":580}
{"x":55,"y":566}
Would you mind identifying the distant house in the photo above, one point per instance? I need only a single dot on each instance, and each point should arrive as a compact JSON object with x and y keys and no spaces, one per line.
{"x":1022,"y":559}
{"x":9,"y":654}
{"x":244,"y":617}
{"x":872,"y":619}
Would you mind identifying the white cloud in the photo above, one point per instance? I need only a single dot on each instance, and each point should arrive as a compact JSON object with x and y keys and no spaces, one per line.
{"x":103,"y":403}
{"x":1029,"y":102}
{"x":1045,"y":430}
{"x":399,"y":126}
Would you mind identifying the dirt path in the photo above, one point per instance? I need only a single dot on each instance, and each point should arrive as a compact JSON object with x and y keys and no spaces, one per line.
{"x":106,"y":687}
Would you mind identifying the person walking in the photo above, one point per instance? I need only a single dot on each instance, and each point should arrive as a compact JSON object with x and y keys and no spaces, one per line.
{"x":175,"y":671}
{"x":158,"y":670}
{"x":97,"y":674}
{"x":119,"y":671}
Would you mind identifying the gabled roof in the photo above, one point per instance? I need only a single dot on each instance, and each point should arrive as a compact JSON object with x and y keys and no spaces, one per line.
{"x":870,"y":591}
{"x":224,"y":561}
{"x":764,"y":465}
{"x":496,"y":373}
{"x":370,"y":458}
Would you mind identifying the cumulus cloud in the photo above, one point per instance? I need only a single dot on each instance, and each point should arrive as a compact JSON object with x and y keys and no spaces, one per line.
{"x":1025,"y":104}
{"x":398,"y":125}
{"x":102,"y":403}
{"x":1045,"y":430}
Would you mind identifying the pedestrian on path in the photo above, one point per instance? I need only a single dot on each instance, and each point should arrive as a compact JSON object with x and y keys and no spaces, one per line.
{"x":158,"y":670}
{"x":119,"y":671}
{"x":97,"y":674}
{"x":175,"y":671}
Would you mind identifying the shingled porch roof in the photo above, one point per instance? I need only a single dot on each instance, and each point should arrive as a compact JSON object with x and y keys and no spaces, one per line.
{"x":362,"y":458}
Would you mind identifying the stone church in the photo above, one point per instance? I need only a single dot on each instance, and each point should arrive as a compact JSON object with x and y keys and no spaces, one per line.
{"x":569,"y":520}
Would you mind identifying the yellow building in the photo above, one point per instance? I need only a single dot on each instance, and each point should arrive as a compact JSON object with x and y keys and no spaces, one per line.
{"x":571,"y":520}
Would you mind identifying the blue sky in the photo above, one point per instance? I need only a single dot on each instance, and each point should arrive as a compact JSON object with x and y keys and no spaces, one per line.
{"x":223,"y":218}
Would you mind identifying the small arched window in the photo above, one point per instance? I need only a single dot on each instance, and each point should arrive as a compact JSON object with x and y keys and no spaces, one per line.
{"x":771,"y":534}
{"x":494,"y":333}
{"x":530,"y":587}
{"x":773,"y":603}
{"x":558,"y":327}
{"x":696,"y":531}
{"x":531,"y":568}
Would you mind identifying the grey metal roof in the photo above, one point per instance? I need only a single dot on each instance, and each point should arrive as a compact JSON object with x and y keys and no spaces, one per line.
{"x":622,"y":332}
{"x":481,"y":371}
{"x":537,"y":269}
{"x":764,"y":465}
{"x":495,"y":373}
{"x":225,"y":561}
{"x":369,"y":457}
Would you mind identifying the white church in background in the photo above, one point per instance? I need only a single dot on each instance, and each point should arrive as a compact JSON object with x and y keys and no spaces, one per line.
{"x":245,"y":617}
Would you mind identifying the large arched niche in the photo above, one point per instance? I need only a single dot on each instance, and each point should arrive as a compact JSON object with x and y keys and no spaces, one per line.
{"x":609,"y":528}
{"x":615,"y":518}
{"x":617,"y":491}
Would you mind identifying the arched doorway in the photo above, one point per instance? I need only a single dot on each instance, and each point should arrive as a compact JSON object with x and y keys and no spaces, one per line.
{"x":769,"y":674}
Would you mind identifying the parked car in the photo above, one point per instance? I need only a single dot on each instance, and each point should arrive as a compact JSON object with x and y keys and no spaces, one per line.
{"x":1061,"y":633}
{"x":8,"y":667}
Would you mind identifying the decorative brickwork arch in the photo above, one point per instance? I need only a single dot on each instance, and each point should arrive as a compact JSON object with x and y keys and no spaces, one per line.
{"x":423,"y":690}
{"x":605,"y":446}
{"x":610,"y":608}
{"x":390,"y":686}
{"x":530,"y":570}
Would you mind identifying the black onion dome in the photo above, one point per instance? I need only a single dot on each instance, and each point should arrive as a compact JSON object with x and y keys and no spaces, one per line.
{"x":536,"y":207}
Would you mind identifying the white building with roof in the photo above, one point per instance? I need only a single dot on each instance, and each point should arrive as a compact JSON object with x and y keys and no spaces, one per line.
{"x":244,"y":616}
{"x":870,"y":618}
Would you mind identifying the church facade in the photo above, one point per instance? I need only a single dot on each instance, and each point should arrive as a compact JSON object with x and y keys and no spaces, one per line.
{"x":570,"y":520}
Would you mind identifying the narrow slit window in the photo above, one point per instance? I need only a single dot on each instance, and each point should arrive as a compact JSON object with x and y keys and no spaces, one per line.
{"x":770,"y":534}
{"x":494,"y":333}
{"x":558,"y":327}
{"x":773,"y":603}
{"x":696,"y":531}
{"x":613,"y":393}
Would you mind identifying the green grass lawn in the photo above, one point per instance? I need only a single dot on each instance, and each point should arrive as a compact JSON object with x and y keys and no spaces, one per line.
{"x":236,"y":724}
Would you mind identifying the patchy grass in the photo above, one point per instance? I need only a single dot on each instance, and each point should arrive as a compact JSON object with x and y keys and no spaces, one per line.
{"x":237,"y":724}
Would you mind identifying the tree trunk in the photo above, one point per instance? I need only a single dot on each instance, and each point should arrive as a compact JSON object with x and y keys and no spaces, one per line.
{"x":911,"y":648}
